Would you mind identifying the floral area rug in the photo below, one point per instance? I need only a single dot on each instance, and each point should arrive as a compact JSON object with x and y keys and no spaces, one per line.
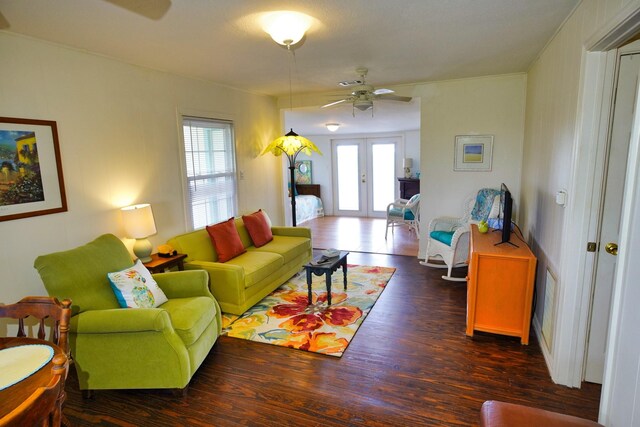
{"x":286,"y":319}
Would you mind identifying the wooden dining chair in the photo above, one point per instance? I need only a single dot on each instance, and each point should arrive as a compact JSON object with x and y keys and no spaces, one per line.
{"x":39,"y":409}
{"x":42,"y":308}
{"x":43,"y":407}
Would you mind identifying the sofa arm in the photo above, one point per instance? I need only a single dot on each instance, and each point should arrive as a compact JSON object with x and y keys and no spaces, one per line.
{"x":182,"y":284}
{"x":291,"y":231}
{"x":118,"y":320}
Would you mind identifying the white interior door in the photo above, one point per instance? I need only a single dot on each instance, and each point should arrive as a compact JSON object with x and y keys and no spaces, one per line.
{"x":622,"y":121}
{"x":364,"y":175}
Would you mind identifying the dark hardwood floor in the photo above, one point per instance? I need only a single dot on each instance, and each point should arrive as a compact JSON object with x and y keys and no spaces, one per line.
{"x":410,"y":364}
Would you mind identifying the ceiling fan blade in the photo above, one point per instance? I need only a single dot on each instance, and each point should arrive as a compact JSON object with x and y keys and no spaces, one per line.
{"x":389,"y":97}
{"x":4,"y":24}
{"x":331,"y":104}
{"x":152,"y":9}
{"x":382,"y":91}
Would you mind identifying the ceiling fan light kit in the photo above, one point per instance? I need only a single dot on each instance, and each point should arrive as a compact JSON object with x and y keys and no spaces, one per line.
{"x":363,"y":104}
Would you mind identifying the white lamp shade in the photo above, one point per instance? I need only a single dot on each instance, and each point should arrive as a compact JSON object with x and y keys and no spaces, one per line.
{"x":286,"y":27}
{"x":138,"y":221}
{"x":407,"y":162}
{"x":332,"y":127}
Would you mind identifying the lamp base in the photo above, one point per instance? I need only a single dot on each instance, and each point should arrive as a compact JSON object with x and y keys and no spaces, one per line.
{"x":407,"y":172}
{"x":142,"y":249}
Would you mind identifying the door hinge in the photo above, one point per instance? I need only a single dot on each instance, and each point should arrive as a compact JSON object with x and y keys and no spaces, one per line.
{"x":591,"y":246}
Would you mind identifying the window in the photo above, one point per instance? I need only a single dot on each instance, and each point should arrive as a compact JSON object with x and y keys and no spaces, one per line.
{"x":210,"y":166}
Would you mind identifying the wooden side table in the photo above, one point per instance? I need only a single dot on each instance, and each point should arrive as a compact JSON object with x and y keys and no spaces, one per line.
{"x":159,"y":264}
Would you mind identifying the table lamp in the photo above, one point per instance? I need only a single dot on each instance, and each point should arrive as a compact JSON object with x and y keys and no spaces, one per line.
{"x":407,"y":163}
{"x":139,"y":224}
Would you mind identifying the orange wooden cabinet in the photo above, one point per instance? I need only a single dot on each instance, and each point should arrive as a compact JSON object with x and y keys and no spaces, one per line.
{"x":500,"y":285}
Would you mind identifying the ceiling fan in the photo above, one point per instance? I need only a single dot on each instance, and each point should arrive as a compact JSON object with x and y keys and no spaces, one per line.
{"x":362,"y":94}
{"x":152,"y":9}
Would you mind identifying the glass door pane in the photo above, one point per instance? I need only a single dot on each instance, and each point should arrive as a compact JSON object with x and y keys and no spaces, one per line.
{"x":382,"y":176}
{"x":347,"y":157}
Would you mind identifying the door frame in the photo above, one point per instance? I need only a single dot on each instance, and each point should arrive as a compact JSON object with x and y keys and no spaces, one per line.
{"x":603,"y":175}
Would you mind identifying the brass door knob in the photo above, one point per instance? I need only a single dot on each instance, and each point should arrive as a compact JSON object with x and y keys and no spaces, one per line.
{"x":611,"y":248}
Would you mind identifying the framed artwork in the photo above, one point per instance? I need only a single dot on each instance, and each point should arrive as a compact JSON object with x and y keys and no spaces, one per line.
{"x":303,"y":172}
{"x":31,"y":181}
{"x":473,"y":153}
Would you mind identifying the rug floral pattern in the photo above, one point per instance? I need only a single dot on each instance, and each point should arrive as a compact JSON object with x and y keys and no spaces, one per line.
{"x":286,"y":319}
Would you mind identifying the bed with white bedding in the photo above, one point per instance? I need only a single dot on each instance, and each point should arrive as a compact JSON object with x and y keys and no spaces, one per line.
{"x":308,"y":202}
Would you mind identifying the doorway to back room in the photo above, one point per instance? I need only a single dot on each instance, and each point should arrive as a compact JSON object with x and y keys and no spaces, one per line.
{"x":365,"y":171}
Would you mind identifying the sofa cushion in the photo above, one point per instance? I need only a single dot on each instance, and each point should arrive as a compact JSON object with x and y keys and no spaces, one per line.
{"x":135,"y":288}
{"x":257,"y":265}
{"x":226,"y":240}
{"x":80,"y":274}
{"x":258,"y":228}
{"x":190,"y":316}
{"x":289,"y":247}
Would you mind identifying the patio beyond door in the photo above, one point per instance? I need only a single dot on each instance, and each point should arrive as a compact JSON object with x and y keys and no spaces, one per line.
{"x":364,"y":175}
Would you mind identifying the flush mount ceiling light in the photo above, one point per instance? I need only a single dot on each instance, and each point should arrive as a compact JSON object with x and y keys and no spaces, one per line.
{"x":332,"y":127}
{"x":286,"y":27}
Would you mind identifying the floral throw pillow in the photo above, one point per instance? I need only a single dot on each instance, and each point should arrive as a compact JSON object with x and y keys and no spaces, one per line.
{"x":135,"y":288}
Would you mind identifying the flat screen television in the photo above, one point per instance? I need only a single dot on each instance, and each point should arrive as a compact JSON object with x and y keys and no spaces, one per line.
{"x":506,"y":207}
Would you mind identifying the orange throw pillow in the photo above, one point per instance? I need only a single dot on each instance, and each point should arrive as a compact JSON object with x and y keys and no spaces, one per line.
{"x":226,"y":240}
{"x":258,"y":228}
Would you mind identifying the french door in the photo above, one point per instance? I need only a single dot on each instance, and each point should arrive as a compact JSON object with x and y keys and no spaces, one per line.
{"x":364,"y":175}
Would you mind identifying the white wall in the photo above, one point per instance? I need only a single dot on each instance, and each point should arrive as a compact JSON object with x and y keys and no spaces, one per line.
{"x":478,"y":106}
{"x":553,"y":152}
{"x":119,"y":141}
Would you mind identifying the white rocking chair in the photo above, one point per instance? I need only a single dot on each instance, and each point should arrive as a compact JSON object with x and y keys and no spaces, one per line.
{"x":448,"y":237}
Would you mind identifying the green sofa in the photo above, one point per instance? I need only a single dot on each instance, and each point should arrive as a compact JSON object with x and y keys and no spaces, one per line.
{"x":130,"y":348}
{"x":241,"y":282}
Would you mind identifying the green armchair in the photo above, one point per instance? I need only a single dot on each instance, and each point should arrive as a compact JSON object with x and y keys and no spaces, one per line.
{"x":131,"y":348}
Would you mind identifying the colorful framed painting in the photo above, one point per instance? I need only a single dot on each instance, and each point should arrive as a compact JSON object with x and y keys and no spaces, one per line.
{"x":303,"y":172}
{"x":473,"y":153}
{"x":31,"y":182}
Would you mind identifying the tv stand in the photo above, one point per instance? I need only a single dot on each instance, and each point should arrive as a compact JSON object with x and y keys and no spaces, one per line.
{"x":500,"y":286}
{"x":502,"y":243}
{"x":506,"y":243}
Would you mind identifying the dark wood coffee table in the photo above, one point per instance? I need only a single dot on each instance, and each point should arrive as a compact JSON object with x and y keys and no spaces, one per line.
{"x":327,"y":268}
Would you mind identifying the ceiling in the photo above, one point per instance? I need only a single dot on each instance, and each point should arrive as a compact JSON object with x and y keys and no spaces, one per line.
{"x":400,"y":41}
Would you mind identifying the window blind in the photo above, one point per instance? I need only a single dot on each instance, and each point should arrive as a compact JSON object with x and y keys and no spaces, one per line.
{"x":210,"y":170}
